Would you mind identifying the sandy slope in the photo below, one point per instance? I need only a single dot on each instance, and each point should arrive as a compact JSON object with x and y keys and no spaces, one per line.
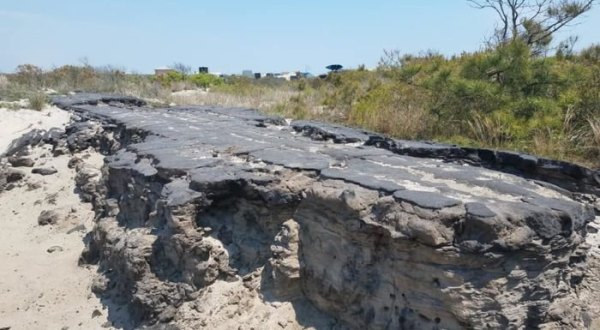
{"x":14,"y":123}
{"x":38,"y":289}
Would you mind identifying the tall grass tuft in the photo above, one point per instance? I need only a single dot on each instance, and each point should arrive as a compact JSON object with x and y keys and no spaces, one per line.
{"x":595,"y":133}
{"x":37,"y":101}
{"x":3,"y":82}
{"x":488,"y":130}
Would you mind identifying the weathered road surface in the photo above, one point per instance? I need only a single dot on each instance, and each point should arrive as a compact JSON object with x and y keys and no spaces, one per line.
{"x":353,"y":229}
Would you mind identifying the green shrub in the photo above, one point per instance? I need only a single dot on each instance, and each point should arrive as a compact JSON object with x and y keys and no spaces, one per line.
{"x":171,"y":77}
{"x":205,"y":80}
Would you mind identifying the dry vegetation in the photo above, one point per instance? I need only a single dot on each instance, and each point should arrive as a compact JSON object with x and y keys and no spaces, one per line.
{"x":504,"y":98}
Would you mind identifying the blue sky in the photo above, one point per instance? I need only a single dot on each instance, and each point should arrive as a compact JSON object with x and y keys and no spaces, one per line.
{"x":229,"y":36}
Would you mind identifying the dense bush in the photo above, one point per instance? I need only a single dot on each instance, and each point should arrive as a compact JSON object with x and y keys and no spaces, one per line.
{"x":169,"y":78}
{"x":205,"y":80}
{"x":505,"y":97}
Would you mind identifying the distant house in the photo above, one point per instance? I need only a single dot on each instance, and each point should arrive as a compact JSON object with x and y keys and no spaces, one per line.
{"x":292,"y":75}
{"x":285,"y":75}
{"x":162,"y":71}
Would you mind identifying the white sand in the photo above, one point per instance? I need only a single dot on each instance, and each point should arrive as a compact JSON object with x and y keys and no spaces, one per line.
{"x":14,"y":123}
{"x":41,"y":290}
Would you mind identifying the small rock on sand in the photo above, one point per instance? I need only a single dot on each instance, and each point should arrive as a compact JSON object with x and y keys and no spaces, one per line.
{"x":74,"y":161}
{"x":44,"y":170}
{"x":55,"y":248}
{"x":78,"y":228}
{"x":100,"y":284}
{"x":21,"y":161}
{"x":96,"y":313}
{"x":33,"y":186}
{"x":48,"y":217}
{"x":14,"y":175}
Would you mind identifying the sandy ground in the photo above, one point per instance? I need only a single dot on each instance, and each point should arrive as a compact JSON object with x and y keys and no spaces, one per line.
{"x":38,"y":289}
{"x":14,"y":123}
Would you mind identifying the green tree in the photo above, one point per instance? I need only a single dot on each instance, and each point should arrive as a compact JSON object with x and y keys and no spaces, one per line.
{"x":534,"y":21}
{"x":334,"y":67}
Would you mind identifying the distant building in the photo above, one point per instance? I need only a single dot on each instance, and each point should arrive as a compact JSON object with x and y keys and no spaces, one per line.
{"x":203,"y":69}
{"x":162,"y":71}
{"x":285,"y":75}
{"x":248,"y":74}
{"x":292,"y":75}
{"x":257,"y":75}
